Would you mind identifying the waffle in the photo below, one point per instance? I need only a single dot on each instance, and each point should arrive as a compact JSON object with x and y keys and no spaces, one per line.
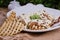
{"x":11,"y":26}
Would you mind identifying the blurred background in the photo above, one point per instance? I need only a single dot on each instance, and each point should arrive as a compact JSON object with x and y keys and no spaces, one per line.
{"x":48,"y":3}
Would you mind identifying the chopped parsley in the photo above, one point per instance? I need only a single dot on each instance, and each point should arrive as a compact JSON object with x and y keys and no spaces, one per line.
{"x":35,"y":16}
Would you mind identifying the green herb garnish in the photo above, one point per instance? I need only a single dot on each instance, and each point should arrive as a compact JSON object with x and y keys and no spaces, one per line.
{"x":35,"y":16}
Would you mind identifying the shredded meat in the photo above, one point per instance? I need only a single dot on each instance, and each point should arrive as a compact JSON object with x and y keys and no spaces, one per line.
{"x":34,"y":26}
{"x":55,"y":21}
{"x":33,"y":23}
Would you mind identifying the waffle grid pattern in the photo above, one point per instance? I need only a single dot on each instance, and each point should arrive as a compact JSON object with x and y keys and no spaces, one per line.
{"x":11,"y":26}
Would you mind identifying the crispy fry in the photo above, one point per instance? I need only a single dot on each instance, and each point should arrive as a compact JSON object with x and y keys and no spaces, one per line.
{"x":14,"y":29}
{"x":11,"y":26}
{"x":7,"y":30}
{"x":4,"y":29}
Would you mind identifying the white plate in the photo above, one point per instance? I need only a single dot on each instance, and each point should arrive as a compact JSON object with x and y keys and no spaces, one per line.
{"x":34,"y":8}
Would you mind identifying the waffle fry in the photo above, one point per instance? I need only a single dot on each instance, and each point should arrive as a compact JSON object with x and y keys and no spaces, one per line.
{"x":11,"y":26}
{"x":8,"y":28}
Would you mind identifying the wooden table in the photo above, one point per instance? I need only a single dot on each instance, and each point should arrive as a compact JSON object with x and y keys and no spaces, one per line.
{"x":4,"y":9}
{"x":52,"y":35}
